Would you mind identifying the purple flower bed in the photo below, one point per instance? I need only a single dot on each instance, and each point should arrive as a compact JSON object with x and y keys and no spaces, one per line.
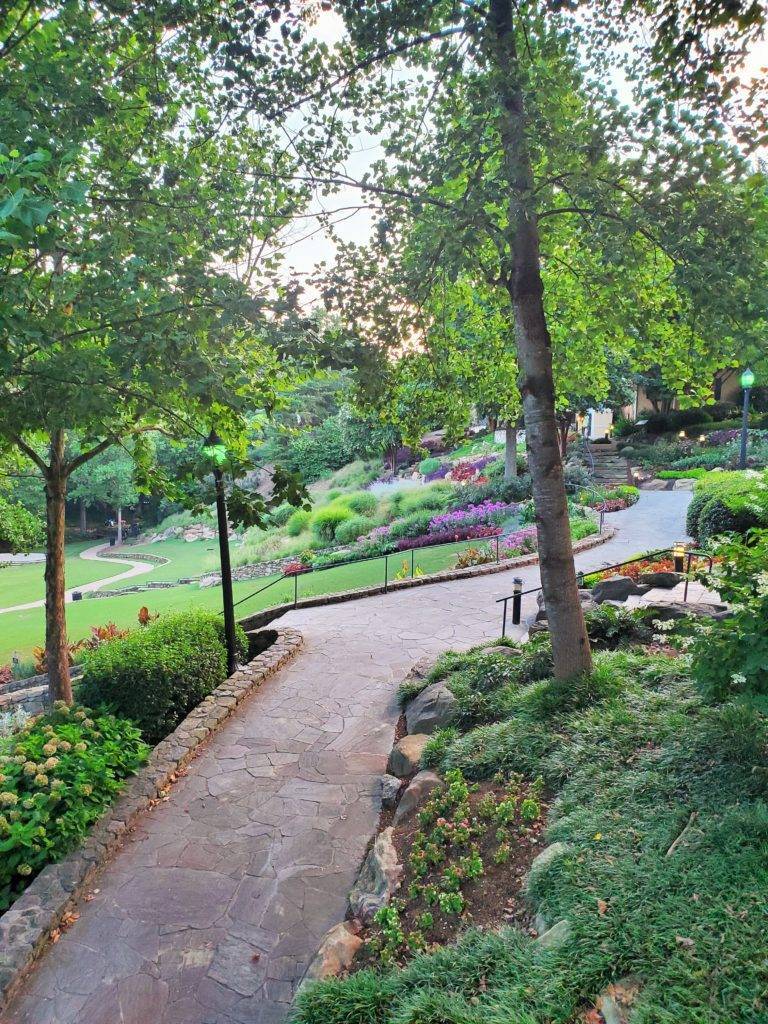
{"x":447,"y":537}
{"x":438,"y":474}
{"x":521,"y":542}
{"x":473,"y":515}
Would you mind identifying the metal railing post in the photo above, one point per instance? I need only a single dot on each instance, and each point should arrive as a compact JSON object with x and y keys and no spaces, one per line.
{"x":386,"y":572}
{"x":412,"y":553}
{"x":295,"y":590}
{"x":504,"y":620}
{"x":497,"y":549}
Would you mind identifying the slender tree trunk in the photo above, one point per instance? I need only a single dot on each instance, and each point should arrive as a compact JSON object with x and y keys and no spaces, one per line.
{"x":510,"y":452}
{"x":56,"y":652}
{"x":119,"y":538}
{"x":83,"y":517}
{"x":570,"y":643}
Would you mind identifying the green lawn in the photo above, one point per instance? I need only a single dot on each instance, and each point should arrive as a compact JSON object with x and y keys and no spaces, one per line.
{"x":22,"y":583}
{"x":188,"y":558}
{"x":20,"y":631}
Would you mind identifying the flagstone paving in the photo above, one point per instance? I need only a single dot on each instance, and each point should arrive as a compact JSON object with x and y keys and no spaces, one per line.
{"x":212,"y":910}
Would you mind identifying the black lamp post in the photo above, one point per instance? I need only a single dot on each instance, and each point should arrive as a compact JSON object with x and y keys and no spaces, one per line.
{"x":217,"y":453}
{"x":747,"y":380}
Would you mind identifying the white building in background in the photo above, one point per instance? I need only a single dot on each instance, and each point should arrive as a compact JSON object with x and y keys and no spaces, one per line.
{"x":595,"y":424}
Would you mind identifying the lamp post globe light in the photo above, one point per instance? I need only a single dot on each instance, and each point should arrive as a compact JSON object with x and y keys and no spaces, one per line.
{"x":747,"y":381}
{"x":216,"y":452}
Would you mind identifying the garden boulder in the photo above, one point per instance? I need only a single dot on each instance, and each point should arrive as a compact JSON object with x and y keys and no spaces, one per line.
{"x":500,"y":649}
{"x":379,"y":877}
{"x":670,"y":610}
{"x":555,"y":936}
{"x":338,"y":948}
{"x":418,"y":791}
{"x":617,"y":588}
{"x":390,"y":789}
{"x":406,"y":755}
{"x":433,"y":709}
{"x":544,"y":860}
{"x":665,"y":580}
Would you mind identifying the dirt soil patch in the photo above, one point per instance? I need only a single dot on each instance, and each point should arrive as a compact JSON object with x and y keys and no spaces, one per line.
{"x":465,"y":861}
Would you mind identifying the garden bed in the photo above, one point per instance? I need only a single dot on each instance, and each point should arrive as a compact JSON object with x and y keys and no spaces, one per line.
{"x":466,"y":856}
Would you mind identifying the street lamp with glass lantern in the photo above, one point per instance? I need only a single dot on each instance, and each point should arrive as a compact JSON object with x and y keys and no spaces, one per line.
{"x":747,"y":380}
{"x":216,"y":452}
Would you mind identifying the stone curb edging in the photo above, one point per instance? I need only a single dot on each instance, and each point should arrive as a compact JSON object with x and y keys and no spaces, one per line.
{"x":26,"y":926}
{"x":259,"y":619}
{"x":126,"y":556}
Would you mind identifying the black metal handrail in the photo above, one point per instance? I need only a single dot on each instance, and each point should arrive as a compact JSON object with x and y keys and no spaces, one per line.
{"x":310,"y":570}
{"x":682,"y":566}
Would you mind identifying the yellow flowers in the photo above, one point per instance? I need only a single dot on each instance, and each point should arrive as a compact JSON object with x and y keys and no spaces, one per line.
{"x":86,"y":789}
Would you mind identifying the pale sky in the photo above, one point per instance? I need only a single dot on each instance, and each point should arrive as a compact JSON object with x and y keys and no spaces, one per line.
{"x":313,"y":245}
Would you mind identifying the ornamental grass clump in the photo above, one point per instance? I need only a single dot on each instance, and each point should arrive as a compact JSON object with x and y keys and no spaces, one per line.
{"x":57,"y":774}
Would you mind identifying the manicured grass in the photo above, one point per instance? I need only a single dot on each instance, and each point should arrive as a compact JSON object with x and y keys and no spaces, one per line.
{"x":20,"y":631}
{"x":22,"y":583}
{"x":187,"y":558}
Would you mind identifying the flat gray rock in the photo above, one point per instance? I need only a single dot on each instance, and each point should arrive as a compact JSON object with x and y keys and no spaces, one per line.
{"x":670,"y":610}
{"x":417,"y":793}
{"x":543,"y":861}
{"x":555,"y":936}
{"x":433,"y":709}
{"x":665,"y":580}
{"x":616,"y":588}
{"x":390,"y":790}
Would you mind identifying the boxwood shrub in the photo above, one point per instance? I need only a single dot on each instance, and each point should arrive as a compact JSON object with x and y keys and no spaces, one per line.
{"x":57,"y":775}
{"x":728,"y":503}
{"x":158,"y":673}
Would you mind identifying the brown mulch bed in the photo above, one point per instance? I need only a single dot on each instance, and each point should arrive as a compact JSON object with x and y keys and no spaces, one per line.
{"x":493,"y":900}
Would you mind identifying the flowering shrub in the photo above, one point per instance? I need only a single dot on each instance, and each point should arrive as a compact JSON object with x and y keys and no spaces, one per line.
{"x":447,"y":536}
{"x":56,"y":777}
{"x":294,"y":568}
{"x":520,"y":542}
{"x":438,"y":474}
{"x":486,"y":513}
{"x":466,"y":470}
{"x":474,"y":556}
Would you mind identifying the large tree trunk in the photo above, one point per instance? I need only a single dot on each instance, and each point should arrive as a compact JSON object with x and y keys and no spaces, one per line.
{"x":510,"y":452}
{"x":570,"y":643}
{"x":56,"y":651}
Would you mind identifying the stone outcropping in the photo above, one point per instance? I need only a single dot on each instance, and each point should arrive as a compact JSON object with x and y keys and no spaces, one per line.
{"x":379,"y":877}
{"x":433,"y":709}
{"x":406,"y":755}
{"x":390,"y":790}
{"x":416,"y":794}
{"x":338,"y":949}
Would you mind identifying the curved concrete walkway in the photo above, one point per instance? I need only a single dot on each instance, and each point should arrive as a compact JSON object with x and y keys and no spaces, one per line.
{"x":212,"y":910}
{"x":137,"y":568}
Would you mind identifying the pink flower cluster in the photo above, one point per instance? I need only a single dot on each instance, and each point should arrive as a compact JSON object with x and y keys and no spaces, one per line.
{"x":521,"y":542}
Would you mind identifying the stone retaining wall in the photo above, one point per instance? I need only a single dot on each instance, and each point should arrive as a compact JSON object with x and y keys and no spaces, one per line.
{"x":259,"y":619}
{"x":26,"y":926}
{"x":140,"y":556}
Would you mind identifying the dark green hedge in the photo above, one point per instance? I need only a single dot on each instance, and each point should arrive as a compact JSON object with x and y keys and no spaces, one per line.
{"x":158,"y":673}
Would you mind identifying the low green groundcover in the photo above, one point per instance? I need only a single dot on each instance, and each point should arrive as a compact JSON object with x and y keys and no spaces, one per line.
{"x":637,"y":759}
{"x":57,"y":775}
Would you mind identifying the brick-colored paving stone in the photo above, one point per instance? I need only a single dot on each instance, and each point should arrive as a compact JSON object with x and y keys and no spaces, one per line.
{"x":215,"y":905}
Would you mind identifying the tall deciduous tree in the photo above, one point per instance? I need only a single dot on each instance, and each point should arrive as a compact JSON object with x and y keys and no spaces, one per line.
{"x":517,"y":155}
{"x":134,"y":227}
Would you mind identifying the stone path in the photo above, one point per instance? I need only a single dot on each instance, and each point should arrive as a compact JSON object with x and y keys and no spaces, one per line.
{"x":215,"y":905}
{"x":137,"y":568}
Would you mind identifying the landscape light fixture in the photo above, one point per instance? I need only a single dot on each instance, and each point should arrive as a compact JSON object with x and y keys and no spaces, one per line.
{"x":681,"y":434}
{"x":702,"y":438}
{"x":517,"y":600}
{"x":678,"y":553}
{"x":216,"y":452}
{"x":747,"y":380}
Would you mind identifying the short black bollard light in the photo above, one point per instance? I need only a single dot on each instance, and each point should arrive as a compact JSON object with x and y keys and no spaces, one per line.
{"x":77,"y":595}
{"x":517,"y":600}
{"x":678,"y":554}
